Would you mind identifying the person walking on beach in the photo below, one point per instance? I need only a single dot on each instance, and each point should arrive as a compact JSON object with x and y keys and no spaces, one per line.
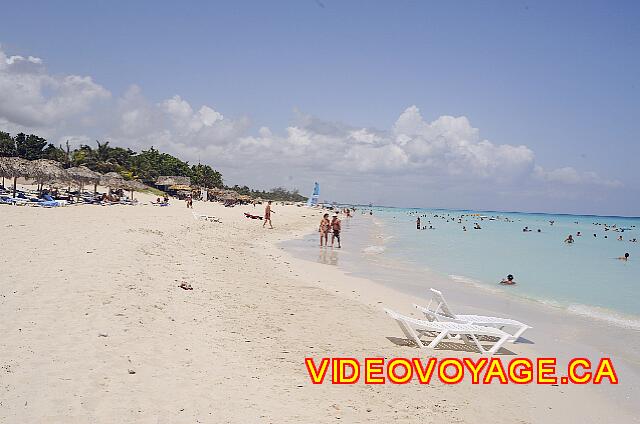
{"x":267,"y":215}
{"x":325,"y":225}
{"x":189,"y":201}
{"x":336,"y":227}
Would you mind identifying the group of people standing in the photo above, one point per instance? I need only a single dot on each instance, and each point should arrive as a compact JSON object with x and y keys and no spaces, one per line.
{"x":334,"y":227}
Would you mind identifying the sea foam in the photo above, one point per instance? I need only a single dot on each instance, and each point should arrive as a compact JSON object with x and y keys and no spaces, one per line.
{"x":374,"y":250}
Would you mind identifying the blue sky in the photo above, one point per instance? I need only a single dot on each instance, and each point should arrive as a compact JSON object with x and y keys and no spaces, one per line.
{"x":560,"y":78}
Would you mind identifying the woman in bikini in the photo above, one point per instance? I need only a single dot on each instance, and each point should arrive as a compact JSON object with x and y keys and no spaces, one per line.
{"x":325,"y":225}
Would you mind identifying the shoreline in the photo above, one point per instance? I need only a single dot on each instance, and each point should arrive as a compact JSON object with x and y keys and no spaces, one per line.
{"x":99,"y":330}
{"x":576,"y":336}
{"x":609,"y":316}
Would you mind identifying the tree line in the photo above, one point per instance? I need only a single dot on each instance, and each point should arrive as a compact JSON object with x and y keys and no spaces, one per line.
{"x":277,"y":193}
{"x":146,"y":165}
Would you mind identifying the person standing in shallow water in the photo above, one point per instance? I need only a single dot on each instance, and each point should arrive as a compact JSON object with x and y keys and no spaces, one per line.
{"x":325,"y":225}
{"x":418,"y":223}
{"x":267,"y":215}
{"x":336,"y":228}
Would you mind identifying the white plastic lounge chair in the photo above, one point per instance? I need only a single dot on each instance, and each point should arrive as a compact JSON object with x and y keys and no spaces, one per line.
{"x":442,"y":312}
{"x":413,"y":328}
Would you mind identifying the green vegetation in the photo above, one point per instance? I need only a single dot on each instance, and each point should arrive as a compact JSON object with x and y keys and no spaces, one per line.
{"x":146,"y":165}
{"x":277,"y":193}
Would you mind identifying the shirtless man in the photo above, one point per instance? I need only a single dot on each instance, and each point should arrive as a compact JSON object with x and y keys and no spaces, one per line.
{"x":267,"y":215}
{"x":508,"y":281}
{"x":336,"y":227}
{"x":325,"y":225}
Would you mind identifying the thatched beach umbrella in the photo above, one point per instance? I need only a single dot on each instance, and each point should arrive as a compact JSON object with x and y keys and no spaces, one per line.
{"x":180,"y":187}
{"x":133,"y":185}
{"x":216,"y":192}
{"x":14,"y":167}
{"x":82,"y":175}
{"x":95,"y":180}
{"x":45,"y":170}
{"x":230,"y":195}
{"x":112,"y":180}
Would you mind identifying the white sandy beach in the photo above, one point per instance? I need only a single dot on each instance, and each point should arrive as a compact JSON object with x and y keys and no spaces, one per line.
{"x":95,"y":327}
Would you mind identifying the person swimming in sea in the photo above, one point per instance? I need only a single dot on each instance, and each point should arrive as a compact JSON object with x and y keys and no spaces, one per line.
{"x":569,"y":239}
{"x":509,"y":281}
{"x":625,"y":257}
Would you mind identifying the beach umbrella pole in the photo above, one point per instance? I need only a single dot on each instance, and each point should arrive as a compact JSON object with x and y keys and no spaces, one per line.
{"x":15,"y":181}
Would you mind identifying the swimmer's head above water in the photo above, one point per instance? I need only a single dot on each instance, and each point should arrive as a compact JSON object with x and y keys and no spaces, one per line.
{"x":508,"y":281}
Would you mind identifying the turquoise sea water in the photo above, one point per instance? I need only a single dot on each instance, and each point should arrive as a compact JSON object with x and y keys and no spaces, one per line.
{"x":584,"y":277}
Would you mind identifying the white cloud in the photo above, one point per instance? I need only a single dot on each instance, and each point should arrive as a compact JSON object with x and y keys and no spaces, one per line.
{"x":30,"y":97}
{"x":172,"y":125}
{"x":364,"y":136}
{"x":447,"y":146}
{"x":447,"y":153}
{"x":570,"y":176}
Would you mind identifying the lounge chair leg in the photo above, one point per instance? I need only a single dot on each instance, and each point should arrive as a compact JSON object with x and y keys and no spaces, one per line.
{"x":518,"y":333}
{"x":498,"y":345}
{"x":438,"y":339}
{"x":409,"y":333}
{"x":471,"y":338}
